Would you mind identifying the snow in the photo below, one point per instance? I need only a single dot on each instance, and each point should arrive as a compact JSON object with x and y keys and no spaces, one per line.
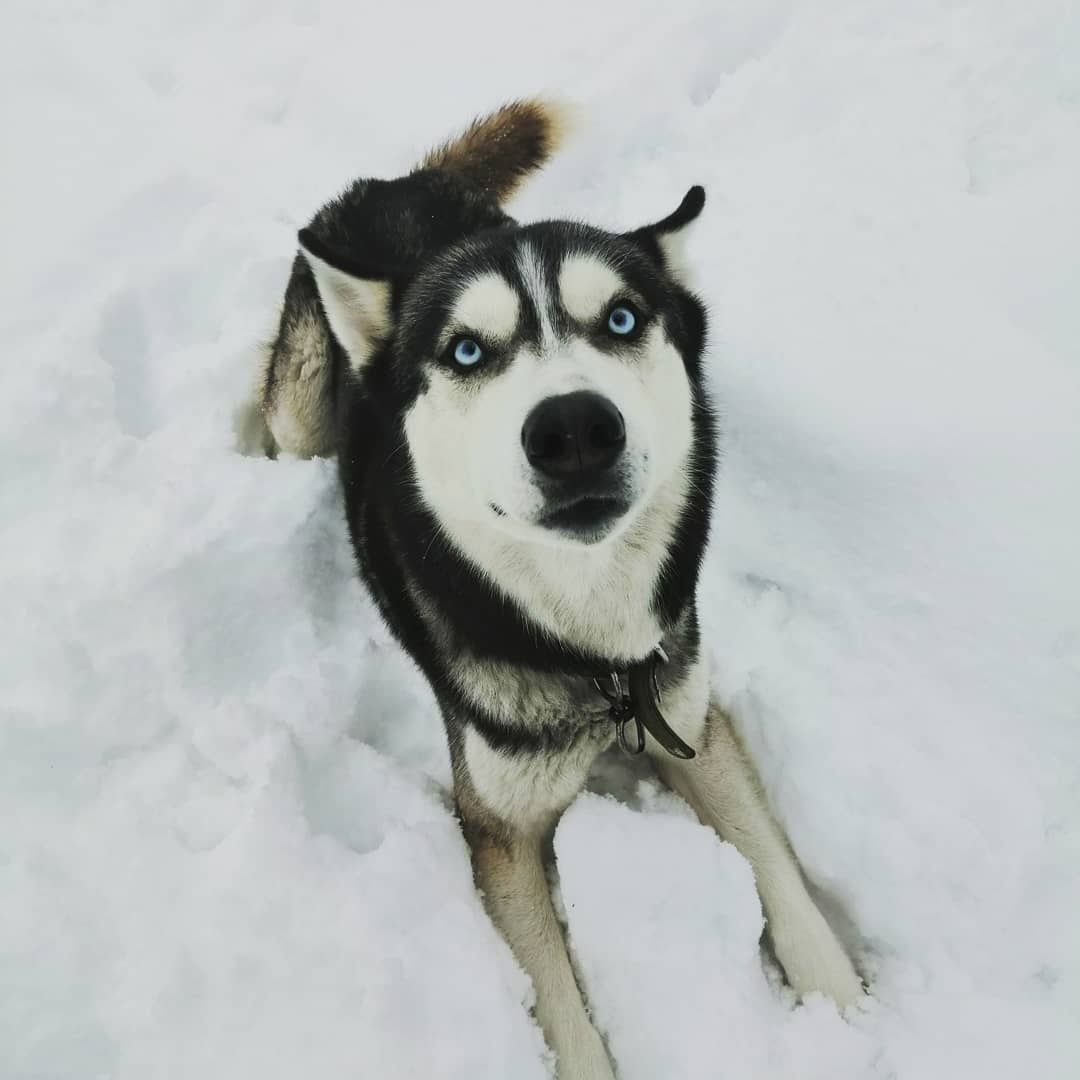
{"x":228,"y":848}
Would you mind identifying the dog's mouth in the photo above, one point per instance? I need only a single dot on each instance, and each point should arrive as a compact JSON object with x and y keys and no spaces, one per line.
{"x":588,"y":518}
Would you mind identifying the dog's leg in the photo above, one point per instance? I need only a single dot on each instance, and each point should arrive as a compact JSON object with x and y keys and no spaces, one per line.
{"x":291,"y":407}
{"x":721,"y":785}
{"x":509,"y":805}
{"x":509,"y":871}
{"x":253,"y":435}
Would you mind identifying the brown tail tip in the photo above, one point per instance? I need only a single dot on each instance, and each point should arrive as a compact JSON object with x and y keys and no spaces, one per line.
{"x":498,"y":151}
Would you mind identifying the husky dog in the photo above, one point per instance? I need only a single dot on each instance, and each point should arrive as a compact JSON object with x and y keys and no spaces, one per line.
{"x":526,"y":450}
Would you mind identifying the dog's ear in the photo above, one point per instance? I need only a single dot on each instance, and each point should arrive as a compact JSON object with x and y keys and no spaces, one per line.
{"x":666,"y":239}
{"x":355,"y":296}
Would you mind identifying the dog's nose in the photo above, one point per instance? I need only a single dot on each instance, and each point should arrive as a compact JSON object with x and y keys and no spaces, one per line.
{"x":573,"y":434}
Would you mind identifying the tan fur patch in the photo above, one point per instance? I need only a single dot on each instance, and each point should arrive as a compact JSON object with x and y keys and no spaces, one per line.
{"x":587,"y":286}
{"x":487,"y":306}
{"x":297,"y":409}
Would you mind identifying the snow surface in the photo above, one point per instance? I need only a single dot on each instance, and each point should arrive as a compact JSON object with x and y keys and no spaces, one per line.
{"x":227,"y":846}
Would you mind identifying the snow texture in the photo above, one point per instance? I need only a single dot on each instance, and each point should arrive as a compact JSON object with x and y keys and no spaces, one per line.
{"x":228,"y":848}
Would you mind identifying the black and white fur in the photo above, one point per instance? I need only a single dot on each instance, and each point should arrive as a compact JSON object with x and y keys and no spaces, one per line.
{"x":511,"y":588}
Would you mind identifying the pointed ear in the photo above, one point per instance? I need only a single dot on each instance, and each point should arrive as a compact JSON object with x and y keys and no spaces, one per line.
{"x":666,"y":239}
{"x":355,"y":297}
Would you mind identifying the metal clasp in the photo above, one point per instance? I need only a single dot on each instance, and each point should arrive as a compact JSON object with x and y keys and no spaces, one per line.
{"x":621,"y":713}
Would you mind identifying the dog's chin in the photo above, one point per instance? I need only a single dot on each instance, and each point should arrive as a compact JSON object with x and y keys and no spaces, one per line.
{"x":585,"y":522}
{"x":588,"y":520}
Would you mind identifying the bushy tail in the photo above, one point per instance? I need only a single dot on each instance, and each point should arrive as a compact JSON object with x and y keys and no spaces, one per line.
{"x":498,"y":151}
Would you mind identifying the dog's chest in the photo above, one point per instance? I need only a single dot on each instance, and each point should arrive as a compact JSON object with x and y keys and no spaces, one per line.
{"x":532,"y":702}
{"x":529,"y":739}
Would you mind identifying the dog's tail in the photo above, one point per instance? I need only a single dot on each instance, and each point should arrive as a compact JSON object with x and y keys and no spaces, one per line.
{"x":497,"y":152}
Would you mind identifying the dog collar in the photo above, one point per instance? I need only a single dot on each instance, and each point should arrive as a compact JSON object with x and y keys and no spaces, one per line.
{"x":640,"y":704}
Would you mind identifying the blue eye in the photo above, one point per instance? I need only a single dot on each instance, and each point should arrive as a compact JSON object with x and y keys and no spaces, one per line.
{"x":467,"y":352}
{"x":621,"y":321}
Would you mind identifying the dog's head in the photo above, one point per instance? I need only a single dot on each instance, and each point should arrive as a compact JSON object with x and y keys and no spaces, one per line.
{"x":547,"y":373}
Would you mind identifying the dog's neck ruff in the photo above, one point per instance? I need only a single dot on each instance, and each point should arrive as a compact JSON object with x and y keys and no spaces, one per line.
{"x":640,"y":705}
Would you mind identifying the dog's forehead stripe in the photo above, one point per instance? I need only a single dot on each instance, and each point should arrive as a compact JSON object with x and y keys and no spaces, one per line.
{"x":489,"y":306}
{"x":587,"y":285}
{"x":534,"y":281}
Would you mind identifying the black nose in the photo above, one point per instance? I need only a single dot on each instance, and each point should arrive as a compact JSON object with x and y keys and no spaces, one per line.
{"x":573,"y":434}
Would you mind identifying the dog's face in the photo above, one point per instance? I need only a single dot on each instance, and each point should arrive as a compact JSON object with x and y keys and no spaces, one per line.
{"x":550,"y":371}
{"x":553,"y":397}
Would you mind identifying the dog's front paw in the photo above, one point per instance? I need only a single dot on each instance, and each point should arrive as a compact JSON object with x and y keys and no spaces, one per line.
{"x":813,"y":960}
{"x":583,"y":1057}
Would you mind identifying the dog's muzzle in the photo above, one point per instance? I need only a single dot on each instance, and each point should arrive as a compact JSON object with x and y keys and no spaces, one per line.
{"x":573,"y":443}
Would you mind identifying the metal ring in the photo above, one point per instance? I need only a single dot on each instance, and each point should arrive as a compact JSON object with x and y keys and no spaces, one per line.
{"x":620,"y":731}
{"x":613,"y":695}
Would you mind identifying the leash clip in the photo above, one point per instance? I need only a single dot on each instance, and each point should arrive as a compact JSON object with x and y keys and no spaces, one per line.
{"x":621,"y":713}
